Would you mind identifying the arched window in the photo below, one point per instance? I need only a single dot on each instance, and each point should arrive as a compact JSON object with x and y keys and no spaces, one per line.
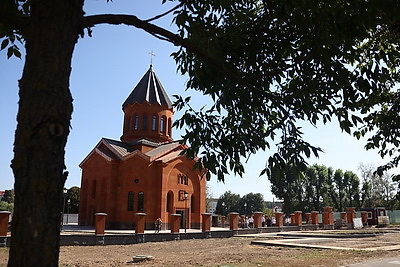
{"x":136,"y":127}
{"x":141,"y":201}
{"x":94,"y":189}
{"x":192,"y":203}
{"x":170,"y":199}
{"x":169,"y":127}
{"x":182,"y":179}
{"x":130,"y":201}
{"x":144,"y":122}
{"x":154,"y":123}
{"x":127,"y":123}
{"x":162,"y":124}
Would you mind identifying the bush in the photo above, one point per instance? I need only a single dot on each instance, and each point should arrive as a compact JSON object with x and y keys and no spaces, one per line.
{"x":5,"y":206}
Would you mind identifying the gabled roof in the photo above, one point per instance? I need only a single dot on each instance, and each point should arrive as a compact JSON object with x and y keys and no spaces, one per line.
{"x":113,"y":150}
{"x":149,"y":89}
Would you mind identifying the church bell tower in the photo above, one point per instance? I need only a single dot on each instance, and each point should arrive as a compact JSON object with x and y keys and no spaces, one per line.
{"x":148,"y":111}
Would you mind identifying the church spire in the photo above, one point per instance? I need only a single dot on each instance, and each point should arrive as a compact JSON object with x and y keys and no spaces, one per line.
{"x":149,"y":89}
{"x":148,"y":111}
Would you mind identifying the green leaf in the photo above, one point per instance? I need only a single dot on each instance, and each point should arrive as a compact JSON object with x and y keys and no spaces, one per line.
{"x":4,"y":44}
{"x":10,"y":52}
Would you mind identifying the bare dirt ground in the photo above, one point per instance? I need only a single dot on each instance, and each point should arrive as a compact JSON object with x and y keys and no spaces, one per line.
{"x":235,"y":251}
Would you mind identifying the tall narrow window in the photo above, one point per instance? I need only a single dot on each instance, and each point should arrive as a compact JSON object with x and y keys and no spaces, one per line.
{"x":130,"y":201}
{"x":192,"y":204}
{"x":169,"y":127}
{"x":162,"y":125}
{"x":136,"y":122}
{"x":154,"y":123}
{"x":141,"y":201}
{"x":170,"y":197}
{"x":144,"y":122}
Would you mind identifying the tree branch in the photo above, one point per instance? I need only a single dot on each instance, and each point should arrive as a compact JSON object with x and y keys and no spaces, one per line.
{"x":165,"y":13}
{"x":161,"y":33}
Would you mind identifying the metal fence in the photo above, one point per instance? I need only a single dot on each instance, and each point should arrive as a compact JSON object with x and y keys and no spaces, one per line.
{"x":70,"y":218}
{"x":394,"y":216}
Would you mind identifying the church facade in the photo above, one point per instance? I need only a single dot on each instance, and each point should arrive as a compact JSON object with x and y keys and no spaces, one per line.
{"x":144,"y":171}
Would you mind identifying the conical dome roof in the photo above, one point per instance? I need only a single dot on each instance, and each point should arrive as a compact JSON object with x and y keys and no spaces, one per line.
{"x":149,"y":89}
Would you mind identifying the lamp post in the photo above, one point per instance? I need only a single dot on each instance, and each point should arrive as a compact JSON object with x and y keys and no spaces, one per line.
{"x":245,"y":208}
{"x":185,"y":197}
{"x":68,"y":202}
{"x":63,"y":210}
{"x":223,"y":208}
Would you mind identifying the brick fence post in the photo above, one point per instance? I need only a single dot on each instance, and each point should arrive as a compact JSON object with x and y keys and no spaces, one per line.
{"x":279,"y":219}
{"x":100,"y":225}
{"x":364,"y":217}
{"x":234,"y":220}
{"x":140,"y":221}
{"x":308,"y":217}
{"x":175,"y":221}
{"x":4,"y":218}
{"x":297,"y":218}
{"x":292,"y":218}
{"x":314,"y":217}
{"x":257,"y":219}
{"x":328,"y":218}
{"x":205,"y":222}
{"x":351,"y":213}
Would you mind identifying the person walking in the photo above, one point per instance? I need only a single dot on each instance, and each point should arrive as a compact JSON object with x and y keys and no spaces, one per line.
{"x":158,"y":224}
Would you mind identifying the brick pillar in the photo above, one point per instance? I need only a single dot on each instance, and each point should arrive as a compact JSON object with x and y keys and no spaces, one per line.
{"x":140,"y":221}
{"x":351,"y":213}
{"x":343,"y":215}
{"x":100,"y":223}
{"x":364,"y":217}
{"x":308,"y":217}
{"x":223,"y":218}
{"x":233,"y":220}
{"x":279,"y":219}
{"x":297,"y":218}
{"x":292,"y":218}
{"x":327,"y":217}
{"x":205,"y":222}
{"x":175,"y":222}
{"x":257,"y":219}
{"x":314,"y":217}
{"x":4,"y":217}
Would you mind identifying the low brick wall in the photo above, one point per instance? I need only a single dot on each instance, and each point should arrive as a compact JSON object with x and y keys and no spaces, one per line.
{"x":127,"y":239}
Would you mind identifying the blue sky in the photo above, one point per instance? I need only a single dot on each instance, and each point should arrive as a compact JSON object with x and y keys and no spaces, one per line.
{"x":106,"y":68}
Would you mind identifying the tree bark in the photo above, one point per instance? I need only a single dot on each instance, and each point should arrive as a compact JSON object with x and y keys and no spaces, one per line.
{"x":44,"y":116}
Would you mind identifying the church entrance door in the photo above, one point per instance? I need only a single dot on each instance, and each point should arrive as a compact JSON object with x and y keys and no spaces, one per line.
{"x":183,"y":219}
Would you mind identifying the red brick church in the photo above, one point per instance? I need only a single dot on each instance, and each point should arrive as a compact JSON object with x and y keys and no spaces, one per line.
{"x":144,"y":172}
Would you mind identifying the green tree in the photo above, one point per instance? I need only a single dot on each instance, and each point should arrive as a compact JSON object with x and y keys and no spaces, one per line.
{"x":251,"y":203}
{"x":280,"y":62}
{"x":378,"y":187}
{"x":73,"y":196}
{"x":316,"y":177}
{"x":285,"y":185}
{"x":9,"y":196}
{"x":340,"y":189}
{"x":5,"y":206}
{"x":228,"y":202}
{"x":352,"y":189}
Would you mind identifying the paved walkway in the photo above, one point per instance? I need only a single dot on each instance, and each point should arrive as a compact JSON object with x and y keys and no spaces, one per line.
{"x":388,"y":262}
{"x":306,"y":240}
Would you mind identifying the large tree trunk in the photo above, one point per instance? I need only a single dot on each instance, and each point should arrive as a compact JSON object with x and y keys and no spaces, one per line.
{"x":44,"y":116}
